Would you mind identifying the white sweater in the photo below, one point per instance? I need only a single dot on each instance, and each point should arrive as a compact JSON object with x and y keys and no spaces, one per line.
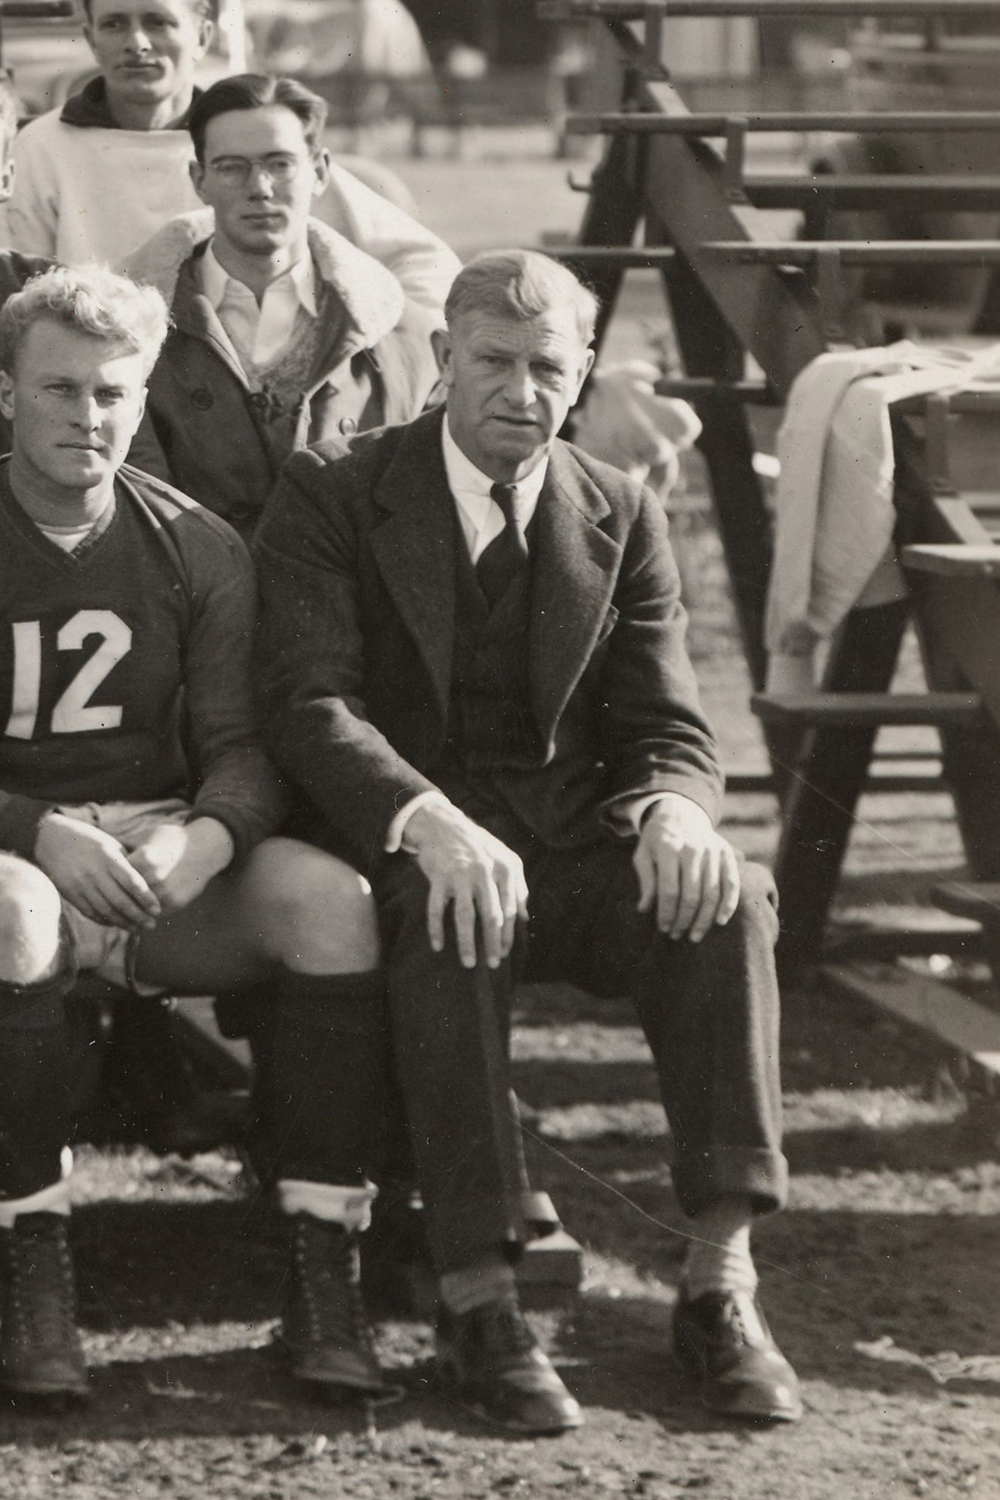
{"x":89,"y":193}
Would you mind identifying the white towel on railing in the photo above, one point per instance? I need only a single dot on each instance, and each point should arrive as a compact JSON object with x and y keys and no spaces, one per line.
{"x":834,"y":515}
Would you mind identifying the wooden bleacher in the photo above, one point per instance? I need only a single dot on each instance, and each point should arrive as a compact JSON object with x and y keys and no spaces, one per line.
{"x":673,"y":191}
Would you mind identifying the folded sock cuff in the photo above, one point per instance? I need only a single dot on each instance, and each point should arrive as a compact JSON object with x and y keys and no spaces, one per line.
{"x":53,"y":1199}
{"x":349,"y":1206}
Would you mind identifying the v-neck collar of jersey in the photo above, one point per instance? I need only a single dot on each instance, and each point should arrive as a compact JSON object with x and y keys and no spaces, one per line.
{"x":33,"y":534}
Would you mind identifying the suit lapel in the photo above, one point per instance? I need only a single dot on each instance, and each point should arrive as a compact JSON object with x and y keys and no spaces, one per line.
{"x":574,"y":570}
{"x":414,"y":547}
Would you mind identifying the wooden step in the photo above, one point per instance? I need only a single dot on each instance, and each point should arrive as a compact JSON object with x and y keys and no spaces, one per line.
{"x":861,"y":253}
{"x":960,"y":1024}
{"x":640,"y":10}
{"x":864,"y":710}
{"x":954,"y":559}
{"x":889,"y":191}
{"x":902,"y":122}
{"x":702,"y":388}
{"x":979,"y":900}
{"x":642,"y":256}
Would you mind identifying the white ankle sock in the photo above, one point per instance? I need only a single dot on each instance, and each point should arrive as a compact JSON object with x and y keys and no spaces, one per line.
{"x":490,"y":1279}
{"x":350,"y":1206}
{"x":718,"y":1257}
{"x":53,"y":1199}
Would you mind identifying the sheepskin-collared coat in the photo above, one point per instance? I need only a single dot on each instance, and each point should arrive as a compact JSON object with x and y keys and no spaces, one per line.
{"x":211,"y":434}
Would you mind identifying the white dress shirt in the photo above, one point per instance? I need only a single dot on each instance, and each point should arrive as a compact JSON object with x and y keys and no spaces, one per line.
{"x":265,"y":329}
{"x":479,"y":516}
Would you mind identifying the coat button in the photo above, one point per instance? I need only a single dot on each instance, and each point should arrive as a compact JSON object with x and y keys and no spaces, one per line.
{"x":258,"y":400}
{"x":240,"y":511}
{"x":201,"y":399}
{"x":348,"y":425}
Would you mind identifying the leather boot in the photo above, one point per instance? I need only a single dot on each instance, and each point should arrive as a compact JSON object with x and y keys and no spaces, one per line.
{"x":40,"y":1350}
{"x":325,"y":1333}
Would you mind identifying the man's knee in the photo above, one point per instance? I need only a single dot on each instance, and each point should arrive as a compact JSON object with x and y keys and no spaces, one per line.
{"x":320,"y":912}
{"x":758,"y":906}
{"x":30,"y":923}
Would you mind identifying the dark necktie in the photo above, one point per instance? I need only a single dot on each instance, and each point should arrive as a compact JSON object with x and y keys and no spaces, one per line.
{"x":505,"y":556}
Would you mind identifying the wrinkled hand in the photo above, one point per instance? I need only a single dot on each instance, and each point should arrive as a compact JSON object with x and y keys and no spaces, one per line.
{"x":687,"y":871}
{"x":92,"y":871}
{"x":178,"y":860}
{"x":473,"y":872}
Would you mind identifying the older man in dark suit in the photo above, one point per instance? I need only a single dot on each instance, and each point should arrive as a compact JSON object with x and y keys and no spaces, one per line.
{"x":475,"y":663}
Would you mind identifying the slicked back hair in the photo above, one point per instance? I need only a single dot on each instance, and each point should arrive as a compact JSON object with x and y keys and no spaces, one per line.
{"x":206,"y":10}
{"x":90,"y":300}
{"x":256,"y":91}
{"x":520,"y":284}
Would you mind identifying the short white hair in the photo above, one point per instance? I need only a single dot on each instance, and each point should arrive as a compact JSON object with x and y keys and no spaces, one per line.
{"x":91,"y":300}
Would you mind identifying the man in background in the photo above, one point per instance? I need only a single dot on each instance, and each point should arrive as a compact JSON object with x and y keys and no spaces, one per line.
{"x":100,"y":176}
{"x":284,"y":332}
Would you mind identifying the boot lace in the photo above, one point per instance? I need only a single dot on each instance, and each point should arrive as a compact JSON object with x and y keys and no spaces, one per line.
{"x":40,"y":1293}
{"x":328,"y":1277}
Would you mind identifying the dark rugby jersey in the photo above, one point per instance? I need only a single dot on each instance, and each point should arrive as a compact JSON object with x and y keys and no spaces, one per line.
{"x":124,"y":665}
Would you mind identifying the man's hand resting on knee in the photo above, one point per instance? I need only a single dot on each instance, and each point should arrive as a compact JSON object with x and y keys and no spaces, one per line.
{"x":476,"y":873}
{"x":688,"y":873}
{"x":92,"y":871}
{"x":178,"y":860}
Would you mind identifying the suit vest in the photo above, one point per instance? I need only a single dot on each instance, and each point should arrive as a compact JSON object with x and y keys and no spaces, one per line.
{"x":491,"y":725}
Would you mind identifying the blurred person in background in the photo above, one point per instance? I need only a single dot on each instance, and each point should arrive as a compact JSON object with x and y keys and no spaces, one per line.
{"x":284,"y":332}
{"x":15,"y":268}
{"x":98,"y":177}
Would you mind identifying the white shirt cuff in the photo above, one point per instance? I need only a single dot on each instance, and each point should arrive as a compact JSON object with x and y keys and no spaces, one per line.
{"x":397,"y":828}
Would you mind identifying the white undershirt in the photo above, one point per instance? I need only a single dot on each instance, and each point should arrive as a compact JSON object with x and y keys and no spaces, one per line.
{"x":67,"y":538}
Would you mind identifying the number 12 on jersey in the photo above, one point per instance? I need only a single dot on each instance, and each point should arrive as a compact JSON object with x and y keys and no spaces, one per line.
{"x":72,"y":712}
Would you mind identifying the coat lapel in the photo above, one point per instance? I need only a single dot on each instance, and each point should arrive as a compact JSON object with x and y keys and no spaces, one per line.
{"x":574,"y":571}
{"x":414,"y":547}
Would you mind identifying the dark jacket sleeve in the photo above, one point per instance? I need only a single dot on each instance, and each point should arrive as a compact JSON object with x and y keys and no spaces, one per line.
{"x":19,"y":820}
{"x":654,"y":735}
{"x":236,"y":782}
{"x":311,"y":658}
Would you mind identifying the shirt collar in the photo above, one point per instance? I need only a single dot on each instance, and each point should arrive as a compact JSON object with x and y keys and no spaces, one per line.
{"x":471,"y":487}
{"x":299,"y":280}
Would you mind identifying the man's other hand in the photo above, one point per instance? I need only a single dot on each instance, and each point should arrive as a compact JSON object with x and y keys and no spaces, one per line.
{"x":476,"y":873}
{"x":92,"y":871}
{"x":178,"y":860}
{"x":687,"y":872}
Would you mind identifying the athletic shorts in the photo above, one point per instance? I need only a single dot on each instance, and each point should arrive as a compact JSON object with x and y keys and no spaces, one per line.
{"x":110,"y":951}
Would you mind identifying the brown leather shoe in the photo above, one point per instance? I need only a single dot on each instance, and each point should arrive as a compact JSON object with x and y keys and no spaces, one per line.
{"x":491,"y":1359}
{"x":325,"y":1335}
{"x":722,"y":1338}
{"x":40,"y":1350}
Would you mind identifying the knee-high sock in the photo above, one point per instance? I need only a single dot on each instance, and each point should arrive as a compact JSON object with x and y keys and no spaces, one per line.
{"x":322,"y":1063}
{"x":36,"y":1080}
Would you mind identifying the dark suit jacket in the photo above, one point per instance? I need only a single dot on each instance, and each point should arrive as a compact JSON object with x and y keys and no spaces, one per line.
{"x":357,"y":559}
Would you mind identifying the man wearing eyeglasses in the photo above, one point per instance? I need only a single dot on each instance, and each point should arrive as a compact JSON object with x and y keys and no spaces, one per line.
{"x":285,"y":332}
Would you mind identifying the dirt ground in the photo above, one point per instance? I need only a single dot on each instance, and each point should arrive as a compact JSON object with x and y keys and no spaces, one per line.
{"x":880,"y":1280}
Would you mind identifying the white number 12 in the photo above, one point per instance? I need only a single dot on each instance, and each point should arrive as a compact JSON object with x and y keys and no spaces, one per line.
{"x":73,"y":712}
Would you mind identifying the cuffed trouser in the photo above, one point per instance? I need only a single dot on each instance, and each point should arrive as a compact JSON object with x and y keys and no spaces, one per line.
{"x":709,"y":1011}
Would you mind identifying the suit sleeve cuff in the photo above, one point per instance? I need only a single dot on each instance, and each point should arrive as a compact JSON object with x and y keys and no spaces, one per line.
{"x":395,"y":838}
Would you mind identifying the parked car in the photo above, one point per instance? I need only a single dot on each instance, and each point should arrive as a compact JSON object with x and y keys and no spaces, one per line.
{"x":43,"y":48}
